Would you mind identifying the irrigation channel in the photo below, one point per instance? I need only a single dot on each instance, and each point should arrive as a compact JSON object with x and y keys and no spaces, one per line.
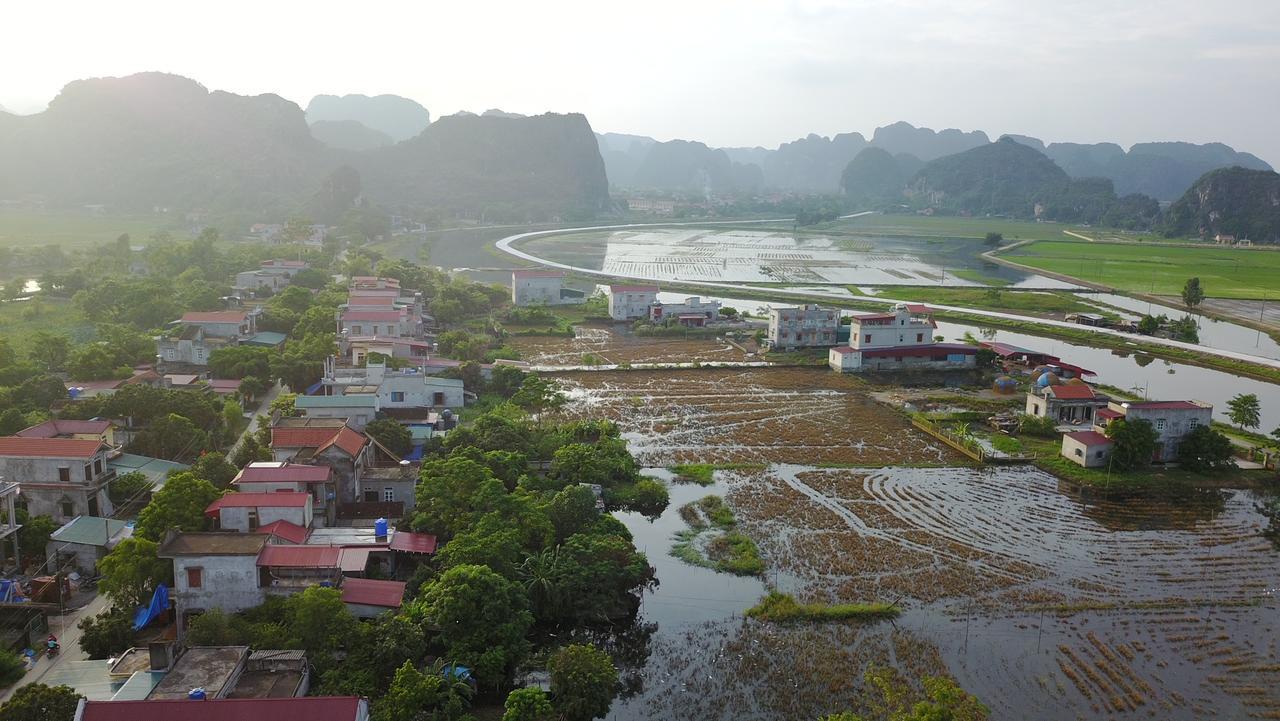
{"x":1044,"y":603}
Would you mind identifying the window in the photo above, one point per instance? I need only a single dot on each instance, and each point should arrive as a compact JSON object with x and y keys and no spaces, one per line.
{"x":919,"y":337}
{"x":867,"y":337}
{"x":1194,"y":424}
{"x":253,"y":519}
{"x":1035,"y":409}
{"x":900,"y":337}
{"x":1159,"y":424}
{"x":195,"y":577}
{"x":1099,"y":454}
{"x":397,"y":396}
{"x":388,"y":495}
{"x":68,"y":509}
{"x":64,"y":474}
{"x":370,"y":496}
{"x":437,"y":398}
{"x":1079,"y":452}
{"x":88,"y":471}
{"x":355,"y":330}
{"x":97,"y":466}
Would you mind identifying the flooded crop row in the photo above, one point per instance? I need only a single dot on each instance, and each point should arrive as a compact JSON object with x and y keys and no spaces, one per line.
{"x":605,"y":346}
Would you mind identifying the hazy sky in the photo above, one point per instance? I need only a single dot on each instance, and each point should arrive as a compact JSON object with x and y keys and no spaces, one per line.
{"x":749,"y":72}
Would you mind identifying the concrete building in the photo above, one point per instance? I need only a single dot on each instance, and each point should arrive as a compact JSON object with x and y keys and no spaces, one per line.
{"x":83,"y":541}
{"x":1071,"y":403}
{"x":1090,"y":449}
{"x":274,"y":477}
{"x":330,"y":442}
{"x":59,"y":477}
{"x":357,"y":408}
{"x":245,"y":512}
{"x":806,"y":326}
{"x":907,"y":325}
{"x":195,"y":336}
{"x":537,"y":287}
{"x":694,"y":311}
{"x":66,"y":428}
{"x":631,"y":302}
{"x":395,"y":389}
{"x":931,"y":356}
{"x":1171,"y":420}
{"x":287,"y":268}
{"x":213,"y":570}
{"x":396,"y":323}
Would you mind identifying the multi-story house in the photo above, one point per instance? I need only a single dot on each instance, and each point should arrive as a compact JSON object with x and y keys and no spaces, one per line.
{"x":807,"y":326}
{"x":59,"y":477}
{"x":1171,"y":420}
{"x":536,"y":287}
{"x":631,"y":302}
{"x":196,"y":335}
{"x":901,"y":340}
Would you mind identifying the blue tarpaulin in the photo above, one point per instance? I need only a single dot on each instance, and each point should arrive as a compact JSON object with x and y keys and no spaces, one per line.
{"x":415,"y":454}
{"x":311,"y":389}
{"x":157,"y":608}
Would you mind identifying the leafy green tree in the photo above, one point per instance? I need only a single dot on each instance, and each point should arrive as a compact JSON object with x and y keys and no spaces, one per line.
{"x":180,"y":504}
{"x":1192,"y":293}
{"x":1148,"y":325}
{"x":583,"y":682}
{"x":106,"y":634}
{"x":418,"y":696}
{"x":132,"y":571}
{"x":173,"y":437}
{"x":572,"y":510}
{"x":38,"y":702}
{"x":8,"y":356}
{"x":12,"y":668}
{"x":500,"y":550}
{"x":452,"y":494}
{"x":597,"y":577}
{"x":1204,"y":449}
{"x":240,"y":361}
{"x":310,"y":278}
{"x":538,"y":394}
{"x":216,"y":627}
{"x":95,"y":361}
{"x":483,"y":619}
{"x":994,"y":239}
{"x":49,"y":350}
{"x":248,"y":451}
{"x":322,"y":624}
{"x":1244,"y":410}
{"x":292,"y":298}
{"x":252,"y":387}
{"x":1135,"y":443}
{"x":33,"y":537}
{"x":214,"y":468}
{"x":130,"y":487}
{"x":528,"y":704}
{"x":12,"y":421}
{"x":390,"y":433}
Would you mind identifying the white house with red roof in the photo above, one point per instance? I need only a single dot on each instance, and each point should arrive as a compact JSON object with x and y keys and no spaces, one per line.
{"x":275,"y":476}
{"x":59,"y":477}
{"x":900,"y":340}
{"x":1072,"y":403}
{"x":246,"y":512}
{"x":1090,"y":448}
{"x":631,"y":302}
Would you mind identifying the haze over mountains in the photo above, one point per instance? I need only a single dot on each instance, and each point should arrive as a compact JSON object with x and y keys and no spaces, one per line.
{"x":157,"y":140}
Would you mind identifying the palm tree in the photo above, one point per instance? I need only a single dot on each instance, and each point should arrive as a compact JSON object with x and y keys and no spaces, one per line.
{"x":539,"y":575}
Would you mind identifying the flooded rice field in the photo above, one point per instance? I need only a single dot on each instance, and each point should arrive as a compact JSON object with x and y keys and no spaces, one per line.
{"x":605,"y":346}
{"x":1043,"y":602}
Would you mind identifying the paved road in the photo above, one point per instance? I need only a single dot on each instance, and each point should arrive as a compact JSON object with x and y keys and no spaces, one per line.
{"x":64,"y":627}
{"x":263,"y":409}
{"x":505,"y":246}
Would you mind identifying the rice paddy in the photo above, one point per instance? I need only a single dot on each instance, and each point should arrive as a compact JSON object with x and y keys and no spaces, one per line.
{"x":605,"y":346}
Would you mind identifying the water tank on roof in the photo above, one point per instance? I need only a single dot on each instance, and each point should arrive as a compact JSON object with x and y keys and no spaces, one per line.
{"x":380,"y":528}
{"x":1048,"y":379}
{"x":196,"y":694}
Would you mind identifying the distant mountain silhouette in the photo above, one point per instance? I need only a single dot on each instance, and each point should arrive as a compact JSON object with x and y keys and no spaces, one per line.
{"x":924,"y":143}
{"x":874,"y":177}
{"x":349,"y":135}
{"x":684,"y":165}
{"x":812,"y":163}
{"x":1243,"y":202}
{"x":400,"y":118}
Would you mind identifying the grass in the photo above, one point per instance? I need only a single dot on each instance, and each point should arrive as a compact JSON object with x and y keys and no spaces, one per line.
{"x":33,"y":229}
{"x":727,"y":549}
{"x":952,"y":227}
{"x":1159,"y":269}
{"x":995,"y":299}
{"x":777,"y":607}
{"x":56,"y":315}
{"x":979,"y":276}
{"x":1049,"y":458}
{"x":1006,"y":444}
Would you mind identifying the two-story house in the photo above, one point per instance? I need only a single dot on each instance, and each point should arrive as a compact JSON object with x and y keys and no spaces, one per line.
{"x":214,"y":570}
{"x":631,"y":302}
{"x":1171,"y":420}
{"x":59,"y":477}
{"x":196,"y":336}
{"x":246,"y":512}
{"x":806,"y":326}
{"x":900,"y":340}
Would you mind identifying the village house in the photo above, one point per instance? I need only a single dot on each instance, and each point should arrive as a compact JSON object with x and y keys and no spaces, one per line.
{"x":631,"y":302}
{"x":245,"y":512}
{"x":83,"y":541}
{"x":693,"y":312}
{"x":331,"y":442}
{"x":404,"y":388}
{"x":903,"y":339}
{"x":357,"y":408}
{"x":542,"y":287}
{"x":1072,"y":403}
{"x":1171,"y":420}
{"x":66,"y":428}
{"x":197,"y":335}
{"x":1090,"y":449}
{"x":806,"y":326}
{"x":311,"y":708}
{"x":369,"y":598}
{"x":59,"y":477}
{"x":213,"y":570}
{"x":357,"y":350}
{"x":395,"y":323}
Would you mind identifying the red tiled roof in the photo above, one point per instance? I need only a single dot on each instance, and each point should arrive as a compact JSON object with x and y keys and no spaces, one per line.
{"x":286,"y":473}
{"x":371,"y":315}
{"x":1076,"y":392}
{"x":217,"y":316}
{"x":353,"y":560}
{"x":305,"y":708}
{"x":633,"y":289}
{"x":1165,"y":405}
{"x":51,"y":429}
{"x":348,"y":440}
{"x":301,"y":437}
{"x":300,"y":556}
{"x":290,"y":532}
{"x":280,"y":499}
{"x":230,"y":384}
{"x":17,"y":446}
{"x":368,"y":592}
{"x":875,"y":316}
{"x":413,"y":542}
{"x":843,"y":349}
{"x":918,"y":308}
{"x":1089,"y":438}
{"x":1108,"y":413}
{"x":537,"y":273}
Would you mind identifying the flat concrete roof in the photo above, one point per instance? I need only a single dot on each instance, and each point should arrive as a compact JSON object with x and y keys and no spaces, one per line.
{"x":211,"y":668}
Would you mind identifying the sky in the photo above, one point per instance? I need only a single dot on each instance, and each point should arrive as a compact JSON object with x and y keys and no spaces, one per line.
{"x":728,"y":73}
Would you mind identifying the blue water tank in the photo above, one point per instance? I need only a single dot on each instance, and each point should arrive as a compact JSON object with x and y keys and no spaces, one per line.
{"x":196,"y":694}
{"x":380,"y":527}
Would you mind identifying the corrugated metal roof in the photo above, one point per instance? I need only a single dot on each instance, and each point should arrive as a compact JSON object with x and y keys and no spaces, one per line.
{"x":20,"y":447}
{"x":413,"y":542}
{"x":89,"y":531}
{"x":1071,"y":392}
{"x":305,"y":708}
{"x":285,"y":530}
{"x":353,"y":560}
{"x":1089,"y":438}
{"x":369,"y":592}
{"x":300,"y":556}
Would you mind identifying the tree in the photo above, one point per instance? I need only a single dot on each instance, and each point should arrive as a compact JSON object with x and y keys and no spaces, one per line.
{"x":583,"y":682}
{"x":284,"y":405}
{"x":1148,"y":325}
{"x":1192,"y":293}
{"x":572,"y":510}
{"x":526,"y":704}
{"x":132,"y":571}
{"x":240,"y":361}
{"x":252,"y":387}
{"x":33,"y":537}
{"x":106,"y":634}
{"x":1204,"y":449}
{"x":173,"y":437}
{"x":994,"y":239}
{"x":416,"y":696}
{"x":1244,"y":410}
{"x":482,"y":617}
{"x":216,"y":627}
{"x":390,"y":433}
{"x":537,"y":393}
{"x":49,"y":350}
{"x":38,"y":702}
{"x":180,"y":504}
{"x":1135,"y":443}
{"x":310,"y":278}
{"x":12,"y":668}
{"x":248,"y":451}
{"x":322,"y":624}
{"x":129,"y":488}
{"x":12,"y":421}
{"x":214,"y":468}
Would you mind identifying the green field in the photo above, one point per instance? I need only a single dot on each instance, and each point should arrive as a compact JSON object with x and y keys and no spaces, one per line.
{"x":1159,"y":269}
{"x":20,"y":229}
{"x":57,"y":315}
{"x":951,"y":227}
{"x":1024,"y":301}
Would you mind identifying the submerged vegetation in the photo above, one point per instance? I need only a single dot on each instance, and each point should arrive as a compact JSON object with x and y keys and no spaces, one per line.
{"x":778,"y":607}
{"x":713,"y":541}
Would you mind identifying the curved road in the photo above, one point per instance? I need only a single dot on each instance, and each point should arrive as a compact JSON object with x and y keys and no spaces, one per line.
{"x":505,"y":245}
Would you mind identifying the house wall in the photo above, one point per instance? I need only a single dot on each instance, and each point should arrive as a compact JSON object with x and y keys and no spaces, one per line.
{"x":319,"y":494}
{"x":632,"y":305}
{"x":803,"y":327}
{"x":903,"y":332}
{"x":844,"y":362}
{"x":1082,"y":455}
{"x":228,"y":582}
{"x":237,"y":519}
{"x":84,"y":557}
{"x":404,"y":490}
{"x":536,"y":291}
{"x":43,"y":492}
{"x":359,"y":416}
{"x":709,"y":309}
{"x":916,"y":362}
{"x":419,"y":391}
{"x":1171,"y":424}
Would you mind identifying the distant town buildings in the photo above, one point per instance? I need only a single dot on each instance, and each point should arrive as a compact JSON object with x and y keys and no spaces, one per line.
{"x":195,"y":336}
{"x":273,"y":276}
{"x":693,"y":312}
